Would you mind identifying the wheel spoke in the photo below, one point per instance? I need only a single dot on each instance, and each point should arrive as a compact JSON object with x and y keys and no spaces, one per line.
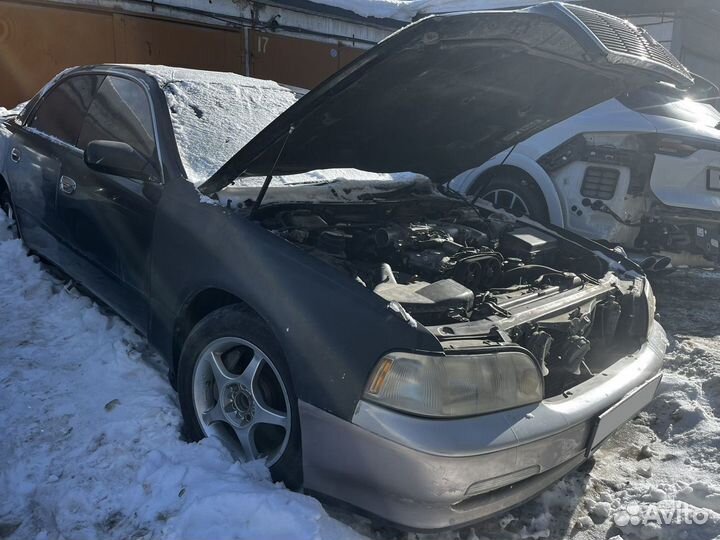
{"x":220,"y":372}
{"x":246,"y":438}
{"x":266,"y":415}
{"x":247,"y":377}
{"x":214,"y":415}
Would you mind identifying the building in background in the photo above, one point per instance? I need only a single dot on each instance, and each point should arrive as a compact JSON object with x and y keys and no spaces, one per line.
{"x":292,"y":41}
{"x":690,"y":29}
{"x":296,"y":42}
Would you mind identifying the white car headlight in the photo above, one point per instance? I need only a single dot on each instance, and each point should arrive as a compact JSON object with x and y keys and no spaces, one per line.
{"x":452,"y":386}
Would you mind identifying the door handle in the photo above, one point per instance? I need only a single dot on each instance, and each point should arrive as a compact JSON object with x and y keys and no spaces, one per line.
{"x":15,"y":155}
{"x":67,"y":185}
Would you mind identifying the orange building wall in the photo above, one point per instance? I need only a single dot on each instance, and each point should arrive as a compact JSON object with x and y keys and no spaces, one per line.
{"x":38,"y":41}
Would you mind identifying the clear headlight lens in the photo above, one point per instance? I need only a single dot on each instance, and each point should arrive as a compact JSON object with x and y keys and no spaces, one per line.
{"x":452,"y":386}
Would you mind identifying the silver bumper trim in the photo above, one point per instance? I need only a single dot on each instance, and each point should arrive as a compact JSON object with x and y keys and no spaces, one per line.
{"x":426,"y":475}
{"x":497,"y":431}
{"x":423,"y":492}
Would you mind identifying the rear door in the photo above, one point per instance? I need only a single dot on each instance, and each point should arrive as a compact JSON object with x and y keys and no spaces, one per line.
{"x":37,"y":150}
{"x":111,"y":217}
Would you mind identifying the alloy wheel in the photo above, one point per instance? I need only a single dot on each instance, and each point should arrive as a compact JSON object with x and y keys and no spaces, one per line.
{"x":508,"y":200}
{"x":239,"y":397}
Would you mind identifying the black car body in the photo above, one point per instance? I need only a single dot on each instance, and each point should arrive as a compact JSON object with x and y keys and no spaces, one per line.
{"x":346,"y":289}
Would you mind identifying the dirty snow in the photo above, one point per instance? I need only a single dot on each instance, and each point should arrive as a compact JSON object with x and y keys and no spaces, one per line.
{"x":92,"y":444}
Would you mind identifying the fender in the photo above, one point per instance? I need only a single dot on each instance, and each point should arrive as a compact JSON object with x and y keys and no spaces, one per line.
{"x":508,"y":158}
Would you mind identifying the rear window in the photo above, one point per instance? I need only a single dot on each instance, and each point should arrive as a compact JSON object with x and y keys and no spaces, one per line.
{"x":671,"y":103}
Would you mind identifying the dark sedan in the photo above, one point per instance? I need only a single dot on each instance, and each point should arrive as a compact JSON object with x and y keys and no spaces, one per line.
{"x":384,"y":343}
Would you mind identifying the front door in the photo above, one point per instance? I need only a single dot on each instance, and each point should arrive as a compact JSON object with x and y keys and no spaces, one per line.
{"x":111,"y":217}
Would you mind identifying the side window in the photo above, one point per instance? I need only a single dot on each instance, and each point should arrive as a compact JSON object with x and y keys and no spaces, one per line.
{"x":120,"y":112}
{"x":61,"y":111}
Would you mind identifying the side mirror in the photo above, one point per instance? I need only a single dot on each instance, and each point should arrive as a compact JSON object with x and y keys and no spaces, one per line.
{"x":117,"y":158}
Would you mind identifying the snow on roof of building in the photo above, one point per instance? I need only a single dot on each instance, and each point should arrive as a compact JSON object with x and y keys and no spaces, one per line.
{"x":407,"y":10}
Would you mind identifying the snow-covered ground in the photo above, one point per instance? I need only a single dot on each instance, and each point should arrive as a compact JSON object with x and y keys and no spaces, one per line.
{"x":92,"y":447}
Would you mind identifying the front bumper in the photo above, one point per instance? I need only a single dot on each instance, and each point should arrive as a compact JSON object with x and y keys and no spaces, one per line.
{"x":427,"y":474}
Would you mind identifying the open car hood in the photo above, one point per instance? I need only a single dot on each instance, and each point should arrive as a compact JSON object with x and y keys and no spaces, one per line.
{"x":448,"y":92}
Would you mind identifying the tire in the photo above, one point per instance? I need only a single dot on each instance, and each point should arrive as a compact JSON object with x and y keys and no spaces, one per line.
{"x":528,"y":198}
{"x":7,"y":207}
{"x":245,"y":409}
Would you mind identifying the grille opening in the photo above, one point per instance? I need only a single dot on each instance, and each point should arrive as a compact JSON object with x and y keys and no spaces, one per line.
{"x":600,"y":183}
{"x":622,"y":37}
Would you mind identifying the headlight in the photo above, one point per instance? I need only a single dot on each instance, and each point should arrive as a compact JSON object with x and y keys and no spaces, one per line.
{"x":451,"y":386}
{"x":651,"y":304}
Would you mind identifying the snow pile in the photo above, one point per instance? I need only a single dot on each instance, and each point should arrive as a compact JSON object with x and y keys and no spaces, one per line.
{"x":91,"y":444}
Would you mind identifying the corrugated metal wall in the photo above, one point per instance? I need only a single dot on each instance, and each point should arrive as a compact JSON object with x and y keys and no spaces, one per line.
{"x":38,"y":41}
{"x":698,"y":46}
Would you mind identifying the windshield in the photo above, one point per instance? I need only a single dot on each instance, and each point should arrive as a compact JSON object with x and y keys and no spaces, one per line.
{"x":664,"y":100}
{"x":215,"y":114}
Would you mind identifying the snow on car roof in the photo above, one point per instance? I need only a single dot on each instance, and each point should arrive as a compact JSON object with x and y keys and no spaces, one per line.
{"x":214,"y":114}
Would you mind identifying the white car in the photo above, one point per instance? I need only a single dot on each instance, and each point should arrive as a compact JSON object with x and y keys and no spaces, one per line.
{"x":641,"y":171}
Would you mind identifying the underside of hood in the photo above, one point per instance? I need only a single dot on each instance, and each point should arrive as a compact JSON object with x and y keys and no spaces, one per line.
{"x":450,"y":91}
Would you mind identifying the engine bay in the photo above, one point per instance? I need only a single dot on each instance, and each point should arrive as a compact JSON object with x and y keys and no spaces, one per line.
{"x":443,"y":263}
{"x":442,"y":267}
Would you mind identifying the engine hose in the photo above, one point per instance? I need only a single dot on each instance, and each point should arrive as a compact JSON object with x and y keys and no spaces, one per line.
{"x":532,"y":268}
